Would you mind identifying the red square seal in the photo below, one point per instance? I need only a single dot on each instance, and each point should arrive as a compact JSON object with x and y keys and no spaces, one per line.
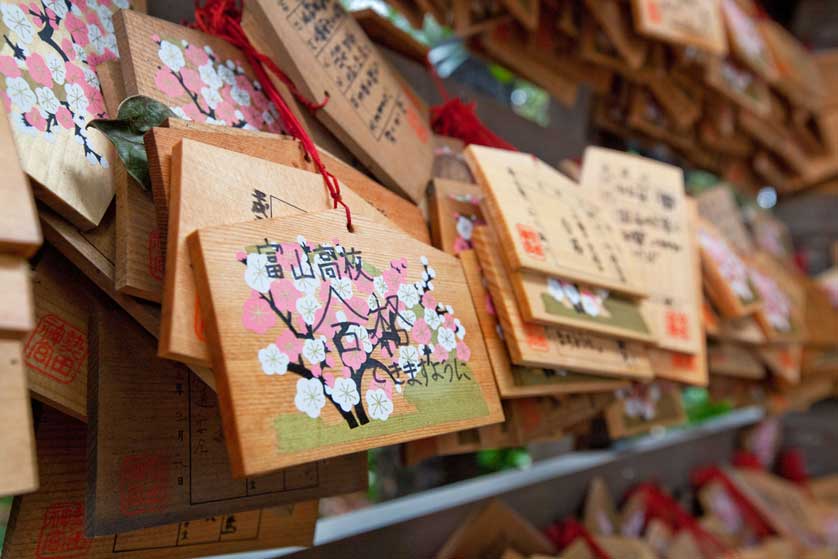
{"x":56,"y":349}
{"x":62,"y":533}
{"x":531,"y":239}
{"x":142,"y":484}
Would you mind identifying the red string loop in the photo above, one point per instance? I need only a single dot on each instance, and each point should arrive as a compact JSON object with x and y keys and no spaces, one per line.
{"x":562,"y":534}
{"x":666,"y":509}
{"x":222,"y":19}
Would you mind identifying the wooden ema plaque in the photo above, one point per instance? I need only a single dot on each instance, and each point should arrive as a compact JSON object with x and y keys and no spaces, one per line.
{"x":532,"y":345}
{"x":547,"y":225}
{"x":800,"y":77}
{"x":50,"y":522}
{"x":784,"y":361}
{"x":55,"y":352}
{"x":53,"y":92}
{"x":734,"y":361}
{"x":747,"y":42}
{"x":515,"y":380}
{"x":718,"y":206}
{"x":377,"y":353}
{"x":20,"y":233}
{"x":643,"y":407}
{"x":156,"y":445}
{"x":213,"y":186}
{"x":614,"y":21}
{"x":370,"y":110}
{"x":783,"y":296}
{"x":650,"y":208}
{"x":200,"y":77}
{"x":727,"y":277}
{"x":160,"y":143}
{"x":492,"y":529}
{"x":139,"y":260}
{"x":696,"y":23}
{"x":454,"y":210}
{"x":16,"y":305}
{"x":18,"y":469}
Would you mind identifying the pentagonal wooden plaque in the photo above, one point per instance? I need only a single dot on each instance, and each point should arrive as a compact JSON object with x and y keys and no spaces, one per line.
{"x":696,"y":23}
{"x":362,"y":321}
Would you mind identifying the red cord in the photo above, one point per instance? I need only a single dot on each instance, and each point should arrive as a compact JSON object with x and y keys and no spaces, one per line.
{"x":222,"y":18}
{"x":750,"y":513}
{"x":666,"y":509}
{"x":562,"y":534}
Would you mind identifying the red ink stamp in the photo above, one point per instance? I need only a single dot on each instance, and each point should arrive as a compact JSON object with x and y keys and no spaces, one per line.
{"x":56,"y":349}
{"x":531,"y":240}
{"x":142,"y":484}
{"x":654,"y":11}
{"x":155,"y":255}
{"x":62,"y":533}
{"x":677,"y":325}
{"x":683,"y":361}
{"x":536,"y":338}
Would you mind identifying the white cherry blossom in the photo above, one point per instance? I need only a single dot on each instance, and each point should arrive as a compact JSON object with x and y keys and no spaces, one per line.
{"x":256,"y":273}
{"x":362,"y":336}
{"x":104,"y":13}
{"x":180,"y":114}
{"x":122,"y":4}
{"x":274,"y":362}
{"x":171,"y":56}
{"x":97,"y":39}
{"x":59,"y":7}
{"x":314,"y":351}
{"x":307,"y":306}
{"x":56,"y":68}
{"x":16,"y":20}
{"x":239,"y":95}
{"x":20,"y":93}
{"x":465,"y":227}
{"x":408,"y":295}
{"x":446,"y":338}
{"x":211,"y":96}
{"x":47,"y":100}
{"x":590,"y":304}
{"x":91,"y":78}
{"x":405,"y":320}
{"x":227,"y":76}
{"x":310,"y":398}
{"x":307,"y":285}
{"x":379,"y":404}
{"x":380,"y":286}
{"x":209,"y":76}
{"x":555,"y":290}
{"x":571,"y":293}
{"x":345,"y":393}
{"x":343,"y":287}
{"x":409,"y":359}
{"x":373,"y":303}
{"x":432,"y":318}
{"x":76,"y":98}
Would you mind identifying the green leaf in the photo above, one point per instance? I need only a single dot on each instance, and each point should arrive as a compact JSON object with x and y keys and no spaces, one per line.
{"x":135,"y":116}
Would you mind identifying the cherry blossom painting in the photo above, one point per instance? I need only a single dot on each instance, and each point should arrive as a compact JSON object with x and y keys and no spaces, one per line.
{"x":48,"y":62}
{"x":363,"y":344}
{"x":201,"y":86}
{"x":731,"y":267}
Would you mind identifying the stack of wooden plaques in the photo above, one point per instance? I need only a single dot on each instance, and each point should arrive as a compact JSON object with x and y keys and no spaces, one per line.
{"x":724,"y":86}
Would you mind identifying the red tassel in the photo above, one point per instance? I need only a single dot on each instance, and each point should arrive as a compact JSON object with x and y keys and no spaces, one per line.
{"x":456,"y":119}
{"x":750,"y":513}
{"x":747,"y":460}
{"x":562,"y":534}
{"x":793,"y":467}
{"x":222,"y":18}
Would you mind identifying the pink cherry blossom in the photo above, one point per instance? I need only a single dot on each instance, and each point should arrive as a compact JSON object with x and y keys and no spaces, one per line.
{"x":258,"y":316}
{"x":353,"y":358}
{"x":192,"y":80}
{"x":439,"y":355}
{"x":34,"y":118}
{"x":192,"y":112}
{"x":463,"y":352}
{"x":155,"y":38}
{"x":226,"y":112}
{"x":421,"y":332}
{"x":316,"y":370}
{"x":393,"y":279}
{"x":330,"y":379}
{"x":8,"y":67}
{"x":167,"y":83}
{"x":97,"y":102}
{"x":196,"y":55}
{"x":74,"y":74}
{"x":460,"y":244}
{"x":67,"y":47}
{"x":448,"y":321}
{"x":346,"y":372}
{"x":241,"y":255}
{"x":78,"y":30}
{"x":95,"y":59}
{"x":64,"y":117}
{"x":37,"y":67}
{"x":285,"y":294}
{"x":289,"y":344}
{"x":428,"y":300}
